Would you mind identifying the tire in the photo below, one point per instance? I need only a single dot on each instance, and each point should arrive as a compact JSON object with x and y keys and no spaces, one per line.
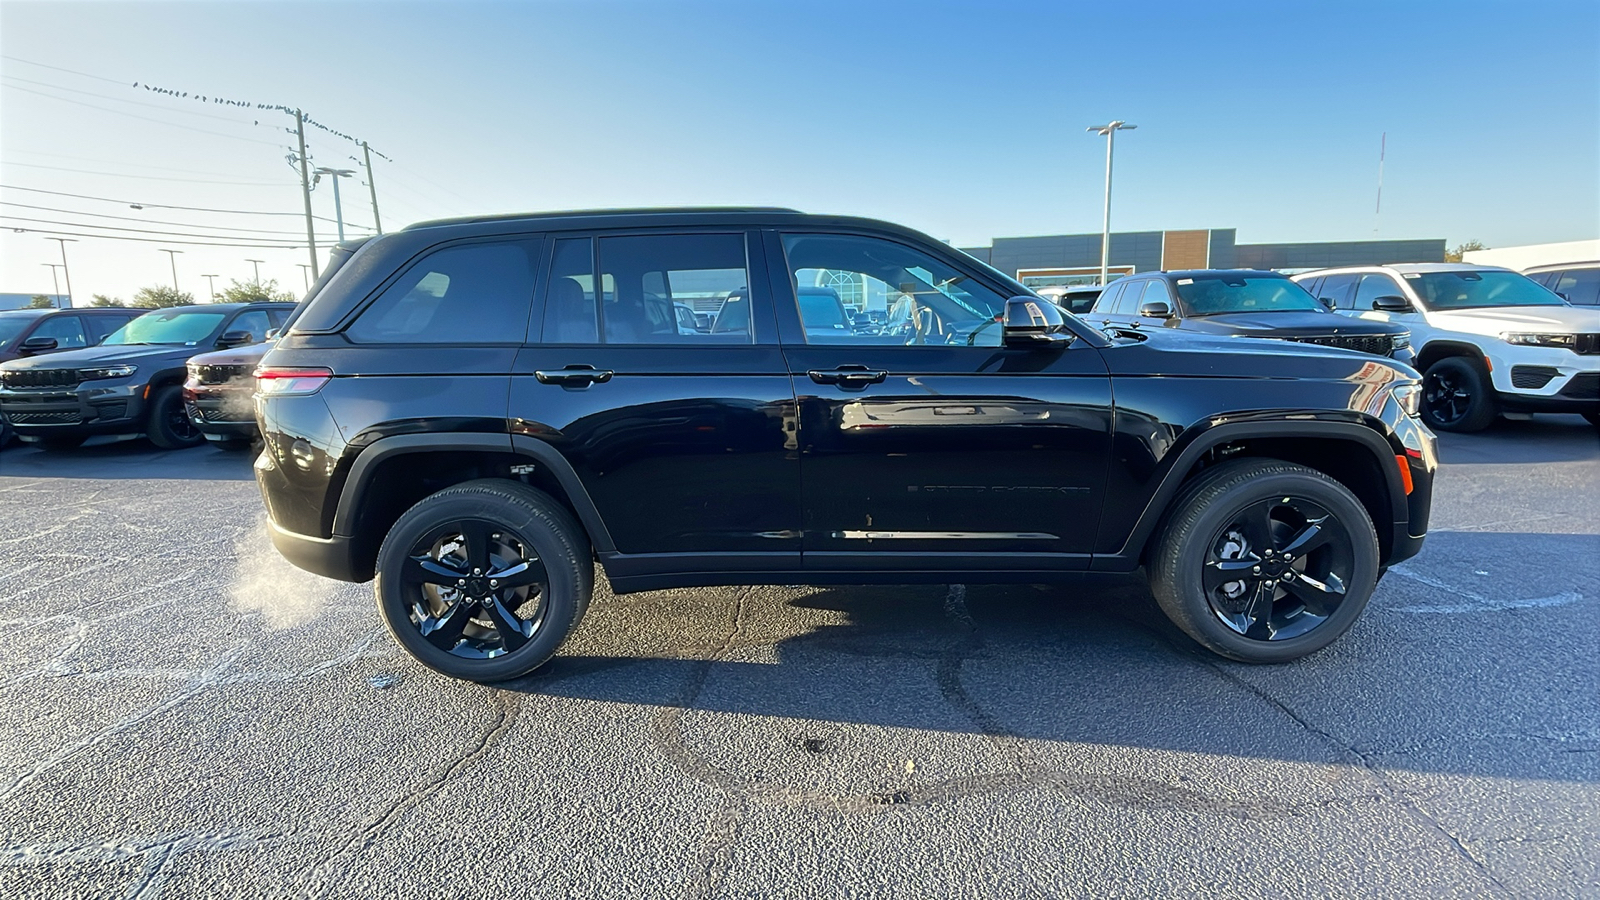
{"x":167,"y":424}
{"x":446,"y":529}
{"x":1458,"y":396}
{"x":62,"y":442}
{"x":1214,"y":523}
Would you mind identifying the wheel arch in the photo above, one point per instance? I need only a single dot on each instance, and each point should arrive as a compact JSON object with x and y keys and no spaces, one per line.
{"x":1433,"y":351}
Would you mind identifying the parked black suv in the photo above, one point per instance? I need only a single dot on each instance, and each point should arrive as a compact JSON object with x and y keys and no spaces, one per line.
{"x":1242,"y":303}
{"x":473,"y":410}
{"x":130,"y":384}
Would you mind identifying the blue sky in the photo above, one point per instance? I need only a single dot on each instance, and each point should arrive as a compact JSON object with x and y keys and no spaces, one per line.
{"x":965,"y":120}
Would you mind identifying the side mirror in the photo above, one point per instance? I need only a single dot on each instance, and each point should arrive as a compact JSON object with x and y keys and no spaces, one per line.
{"x":1033,"y":323}
{"x":1327,"y":301}
{"x":1155,"y":309}
{"x":272,"y":333}
{"x":37,"y":345}
{"x":1390,"y":303}
{"x":235,"y":339}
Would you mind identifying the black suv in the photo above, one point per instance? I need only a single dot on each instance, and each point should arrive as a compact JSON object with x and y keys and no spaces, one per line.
{"x":472,"y":411}
{"x":1243,"y":303}
{"x":130,"y":384}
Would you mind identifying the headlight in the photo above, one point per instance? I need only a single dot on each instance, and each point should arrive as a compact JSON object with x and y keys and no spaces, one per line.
{"x":1400,"y":341}
{"x":107,"y":372}
{"x":1528,"y":339}
{"x":1409,"y":396}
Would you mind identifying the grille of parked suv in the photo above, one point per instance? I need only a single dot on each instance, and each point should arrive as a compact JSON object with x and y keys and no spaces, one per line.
{"x":220,"y":374}
{"x":1366,"y":343}
{"x":40,"y":378}
{"x":1583,"y":386}
{"x":1587,"y":344}
{"x":1532,"y":378}
{"x":69,"y":417}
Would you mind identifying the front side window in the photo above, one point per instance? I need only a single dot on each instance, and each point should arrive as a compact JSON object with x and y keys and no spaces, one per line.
{"x":1154,"y":291}
{"x":1372,"y":287}
{"x":1209,"y":295}
{"x":1336,"y":291}
{"x":1581,"y":287}
{"x":67,"y":330}
{"x":466,"y":294}
{"x":921,"y":298}
{"x":1469,"y":289}
{"x":1108,"y":298}
{"x":254,"y":321}
{"x":168,"y":326}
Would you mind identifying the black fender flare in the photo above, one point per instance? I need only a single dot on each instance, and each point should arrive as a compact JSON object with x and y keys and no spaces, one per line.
{"x":1127,"y":558}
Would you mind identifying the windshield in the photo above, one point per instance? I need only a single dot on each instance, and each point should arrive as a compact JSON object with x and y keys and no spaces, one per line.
{"x":1209,"y":295}
{"x":1468,"y":289}
{"x":11,"y":326}
{"x":168,"y":326}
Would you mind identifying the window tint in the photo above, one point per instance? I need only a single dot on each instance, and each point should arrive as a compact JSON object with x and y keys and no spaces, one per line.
{"x":254,"y":321}
{"x":645,"y":280}
{"x":1311,"y":285}
{"x":1108,"y":298}
{"x":1581,"y":286}
{"x":1372,"y":287}
{"x":467,"y":294}
{"x":1336,"y":290}
{"x":1128,"y":301}
{"x":569,"y":309}
{"x":1153,"y":291}
{"x":922,"y":298}
{"x":1548,"y":279}
{"x":67,"y":330}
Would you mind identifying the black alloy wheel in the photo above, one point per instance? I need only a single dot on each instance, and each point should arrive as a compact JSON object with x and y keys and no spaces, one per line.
{"x":484,"y":580}
{"x":169,"y":427}
{"x":1264,"y":561}
{"x":1457,"y":397}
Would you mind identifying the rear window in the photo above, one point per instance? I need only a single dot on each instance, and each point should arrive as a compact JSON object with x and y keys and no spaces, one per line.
{"x":466,"y":294}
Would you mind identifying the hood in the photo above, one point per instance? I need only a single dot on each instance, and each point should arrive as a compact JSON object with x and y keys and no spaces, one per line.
{"x":248,"y":355}
{"x":107,"y":355}
{"x":1283,"y":324}
{"x":1495,"y":320}
{"x":1194,"y":353}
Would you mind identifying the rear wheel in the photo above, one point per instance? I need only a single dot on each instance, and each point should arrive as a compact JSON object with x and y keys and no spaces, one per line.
{"x":484,"y":581}
{"x":167,"y":422}
{"x":1265,"y":561}
{"x":1457,"y":396}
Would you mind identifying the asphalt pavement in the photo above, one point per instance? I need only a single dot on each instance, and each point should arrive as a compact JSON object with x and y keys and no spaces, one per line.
{"x":182,"y":714}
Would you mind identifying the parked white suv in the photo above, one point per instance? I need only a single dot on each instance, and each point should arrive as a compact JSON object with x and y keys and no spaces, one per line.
{"x":1487,"y":339}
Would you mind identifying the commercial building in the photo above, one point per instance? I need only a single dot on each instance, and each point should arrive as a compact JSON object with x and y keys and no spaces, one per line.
{"x":1526,"y":256}
{"x":1075,"y":258}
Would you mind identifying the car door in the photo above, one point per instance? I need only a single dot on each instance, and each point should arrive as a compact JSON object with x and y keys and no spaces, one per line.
{"x":683,"y":439}
{"x":1125,"y":310}
{"x":927,"y":446}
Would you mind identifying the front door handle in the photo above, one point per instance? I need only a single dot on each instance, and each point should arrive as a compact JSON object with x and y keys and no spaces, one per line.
{"x":574,"y":376}
{"x":848,"y":376}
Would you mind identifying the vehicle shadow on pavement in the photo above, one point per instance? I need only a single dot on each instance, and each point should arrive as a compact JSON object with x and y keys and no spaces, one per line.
{"x":138,"y":459}
{"x":1541,"y":439}
{"x":1422,"y":683}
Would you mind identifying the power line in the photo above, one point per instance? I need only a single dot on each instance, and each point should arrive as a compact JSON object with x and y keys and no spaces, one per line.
{"x":145,"y":118}
{"x":185,"y":112}
{"x":114,"y":162}
{"x":154,"y":240}
{"x":149,"y":177}
{"x":29,"y":62}
{"x":286,"y":242}
{"x":74,"y":212}
{"x":240,"y":212}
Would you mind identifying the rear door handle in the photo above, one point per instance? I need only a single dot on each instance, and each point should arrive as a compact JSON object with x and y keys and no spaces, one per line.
{"x":848,"y":376}
{"x":574,"y":376}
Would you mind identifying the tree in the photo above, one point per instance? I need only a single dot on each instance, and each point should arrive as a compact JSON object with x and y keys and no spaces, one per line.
{"x":101,"y":300}
{"x":1463,"y":249}
{"x":40,"y":301}
{"x":161,"y":296}
{"x":253,"y":291}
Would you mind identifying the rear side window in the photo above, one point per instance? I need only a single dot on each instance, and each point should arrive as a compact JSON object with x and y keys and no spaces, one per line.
{"x":654,"y":289}
{"x":1581,"y":287}
{"x":466,"y":294}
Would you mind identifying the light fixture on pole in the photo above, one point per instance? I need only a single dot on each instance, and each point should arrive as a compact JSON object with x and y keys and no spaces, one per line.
{"x":1110,"y":131}
{"x":56,"y":297}
{"x":305,"y":273}
{"x":65,"y":272}
{"x":257,"y":264}
{"x":173,"y":258}
{"x":211,"y":286}
{"x":335,"y":174}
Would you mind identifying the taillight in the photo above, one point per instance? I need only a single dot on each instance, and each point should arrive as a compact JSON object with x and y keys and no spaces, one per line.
{"x":285,"y":381}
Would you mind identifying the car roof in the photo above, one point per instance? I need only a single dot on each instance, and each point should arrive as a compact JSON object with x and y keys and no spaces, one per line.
{"x":1405,"y":268}
{"x":643,"y":215}
{"x":1560,"y":267}
{"x":1190,"y":273}
{"x":27,"y":313}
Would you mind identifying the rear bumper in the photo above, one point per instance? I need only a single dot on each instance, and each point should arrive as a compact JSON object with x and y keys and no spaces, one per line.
{"x":330,"y":557}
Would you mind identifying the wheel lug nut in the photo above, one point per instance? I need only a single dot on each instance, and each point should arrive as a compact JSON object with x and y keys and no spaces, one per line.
{"x":477,"y":571}
{"x":1256,"y":569}
{"x":461,"y":582}
{"x":493,"y":583}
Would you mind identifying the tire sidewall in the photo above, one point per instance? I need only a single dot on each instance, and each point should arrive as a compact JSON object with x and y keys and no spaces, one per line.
{"x":562,"y":593}
{"x":1480,"y":407}
{"x":1351,"y":515}
{"x":156,"y":428}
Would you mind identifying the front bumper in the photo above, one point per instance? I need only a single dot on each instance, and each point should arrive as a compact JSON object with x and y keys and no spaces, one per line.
{"x":91,"y":408}
{"x":1545,"y":379}
{"x":220,"y":414}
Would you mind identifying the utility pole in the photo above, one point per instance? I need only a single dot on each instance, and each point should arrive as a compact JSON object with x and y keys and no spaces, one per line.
{"x":372,"y":186}
{"x":305,"y":273}
{"x":65,"y":272}
{"x":54,"y":282}
{"x":256,"y":263}
{"x":338,"y":208}
{"x":305,"y":187}
{"x":1110,"y":131}
{"x":211,"y":286}
{"x":172,"y":257}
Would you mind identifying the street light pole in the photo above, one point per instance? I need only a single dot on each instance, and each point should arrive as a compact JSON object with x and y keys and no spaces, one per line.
{"x":173,"y":258}
{"x":338,"y":209}
{"x":53,"y":281}
{"x":1110,"y":131}
{"x":211,"y":286}
{"x":65,"y":272}
{"x":256,"y":263}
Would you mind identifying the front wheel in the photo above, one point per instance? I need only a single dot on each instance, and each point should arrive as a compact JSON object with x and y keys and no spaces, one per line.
{"x":1265,"y":561}
{"x":483,"y":581}
{"x":1457,"y":396}
{"x":168,"y":425}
